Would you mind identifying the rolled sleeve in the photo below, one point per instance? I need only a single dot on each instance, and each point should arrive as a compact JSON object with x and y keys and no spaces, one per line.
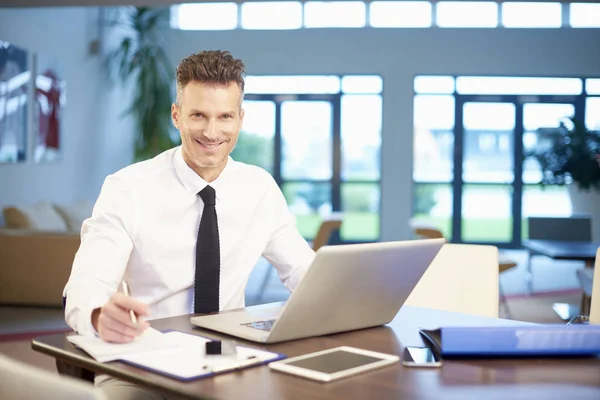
{"x":102,"y":257}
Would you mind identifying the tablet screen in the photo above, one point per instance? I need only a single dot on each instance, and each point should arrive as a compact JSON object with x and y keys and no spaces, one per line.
{"x":333,"y":362}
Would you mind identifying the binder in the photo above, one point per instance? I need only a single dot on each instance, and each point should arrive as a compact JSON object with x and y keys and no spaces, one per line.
{"x":178,"y":355}
{"x":516,"y":341}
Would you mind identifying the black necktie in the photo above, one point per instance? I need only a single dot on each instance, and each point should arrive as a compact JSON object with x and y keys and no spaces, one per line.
{"x":208,"y":258}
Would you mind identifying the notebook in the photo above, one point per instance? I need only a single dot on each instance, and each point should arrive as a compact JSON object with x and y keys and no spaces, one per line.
{"x":174,"y":354}
{"x":515,"y":341}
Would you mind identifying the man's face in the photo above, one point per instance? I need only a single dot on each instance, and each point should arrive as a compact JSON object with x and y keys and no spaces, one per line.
{"x":209,"y":119}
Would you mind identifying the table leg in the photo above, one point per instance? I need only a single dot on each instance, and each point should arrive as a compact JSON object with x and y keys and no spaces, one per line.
{"x":529,"y":274}
{"x":74,"y":371}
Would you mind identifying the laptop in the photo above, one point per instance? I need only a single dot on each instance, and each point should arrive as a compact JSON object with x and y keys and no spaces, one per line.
{"x":347,"y":287}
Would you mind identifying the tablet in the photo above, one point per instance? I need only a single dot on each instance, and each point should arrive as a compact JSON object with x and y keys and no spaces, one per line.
{"x":332,"y":364}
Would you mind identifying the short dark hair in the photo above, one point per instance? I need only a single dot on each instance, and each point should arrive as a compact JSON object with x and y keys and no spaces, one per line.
{"x":211,"y":66}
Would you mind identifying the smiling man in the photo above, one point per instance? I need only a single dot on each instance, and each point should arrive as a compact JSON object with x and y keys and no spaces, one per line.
{"x":186,"y":228}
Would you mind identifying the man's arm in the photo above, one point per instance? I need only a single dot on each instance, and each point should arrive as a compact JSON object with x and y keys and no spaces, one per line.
{"x":102,"y":257}
{"x":287,"y":250}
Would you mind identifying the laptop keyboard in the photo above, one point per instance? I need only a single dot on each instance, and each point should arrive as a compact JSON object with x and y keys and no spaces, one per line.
{"x":262,"y":325}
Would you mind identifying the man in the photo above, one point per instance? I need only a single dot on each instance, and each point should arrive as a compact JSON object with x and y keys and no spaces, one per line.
{"x":185,"y":228}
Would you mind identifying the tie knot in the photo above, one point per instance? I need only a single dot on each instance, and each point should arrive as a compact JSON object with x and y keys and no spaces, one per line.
{"x":208,"y":196}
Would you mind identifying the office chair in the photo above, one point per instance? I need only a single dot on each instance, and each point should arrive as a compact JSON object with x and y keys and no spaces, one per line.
{"x":461,"y":278}
{"x":589,"y":278}
{"x":504,"y":263}
{"x":22,"y":381}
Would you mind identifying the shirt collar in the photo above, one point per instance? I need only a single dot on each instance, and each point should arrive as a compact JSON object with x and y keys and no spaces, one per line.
{"x":193,"y":183}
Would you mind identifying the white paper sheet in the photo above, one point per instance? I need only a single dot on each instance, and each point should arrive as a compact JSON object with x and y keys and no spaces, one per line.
{"x":150,"y":340}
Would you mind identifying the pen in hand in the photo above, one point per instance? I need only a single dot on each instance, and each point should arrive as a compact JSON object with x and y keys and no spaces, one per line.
{"x":131,"y":313}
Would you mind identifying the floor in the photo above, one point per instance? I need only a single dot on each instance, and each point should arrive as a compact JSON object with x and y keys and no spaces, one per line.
{"x":553,"y":281}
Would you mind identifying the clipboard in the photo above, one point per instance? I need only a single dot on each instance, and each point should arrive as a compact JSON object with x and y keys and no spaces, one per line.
{"x":185,"y":358}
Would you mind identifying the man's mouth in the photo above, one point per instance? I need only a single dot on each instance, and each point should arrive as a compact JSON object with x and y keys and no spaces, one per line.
{"x":208,"y":145}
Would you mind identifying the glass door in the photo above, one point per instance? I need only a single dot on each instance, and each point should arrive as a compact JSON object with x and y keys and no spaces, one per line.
{"x":550,"y":200}
{"x":487,"y":170}
{"x":306,"y":160}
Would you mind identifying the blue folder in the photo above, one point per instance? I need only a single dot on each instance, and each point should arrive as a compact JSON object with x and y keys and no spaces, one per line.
{"x":517,"y":341}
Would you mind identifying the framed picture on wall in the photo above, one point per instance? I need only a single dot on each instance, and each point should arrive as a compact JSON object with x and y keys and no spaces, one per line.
{"x":15,"y":78}
{"x":49,"y":101}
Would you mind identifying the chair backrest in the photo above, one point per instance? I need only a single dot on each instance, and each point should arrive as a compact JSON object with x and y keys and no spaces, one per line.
{"x":595,"y":306}
{"x":462,"y":278}
{"x":428,"y":233}
{"x":576,"y":228}
{"x":328,"y":226}
{"x":22,"y":381}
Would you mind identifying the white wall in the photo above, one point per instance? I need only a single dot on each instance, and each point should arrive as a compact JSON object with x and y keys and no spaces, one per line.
{"x":64,"y":35}
{"x":95,"y":139}
{"x":399,"y":55}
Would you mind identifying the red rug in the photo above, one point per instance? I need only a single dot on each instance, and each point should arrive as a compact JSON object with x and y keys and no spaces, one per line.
{"x":29,"y":335}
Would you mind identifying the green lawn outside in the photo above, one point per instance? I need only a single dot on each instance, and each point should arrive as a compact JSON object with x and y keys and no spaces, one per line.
{"x":357,"y":226}
{"x":479,"y":230}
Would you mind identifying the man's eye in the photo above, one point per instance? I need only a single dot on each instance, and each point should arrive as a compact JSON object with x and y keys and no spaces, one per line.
{"x":227,"y":116}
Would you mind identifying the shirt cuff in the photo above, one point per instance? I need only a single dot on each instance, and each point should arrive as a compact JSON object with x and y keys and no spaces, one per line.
{"x":85,"y":326}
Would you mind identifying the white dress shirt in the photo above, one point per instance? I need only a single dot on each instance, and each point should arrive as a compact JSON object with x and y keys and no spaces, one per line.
{"x":144,"y":229}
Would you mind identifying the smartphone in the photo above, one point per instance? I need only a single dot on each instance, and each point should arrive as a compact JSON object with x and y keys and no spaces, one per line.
{"x":420,"y":357}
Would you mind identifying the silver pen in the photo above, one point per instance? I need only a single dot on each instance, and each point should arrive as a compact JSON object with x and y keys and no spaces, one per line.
{"x":126,"y":291}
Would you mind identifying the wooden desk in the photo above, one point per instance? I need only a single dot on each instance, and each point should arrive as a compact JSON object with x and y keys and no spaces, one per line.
{"x":483,"y":379}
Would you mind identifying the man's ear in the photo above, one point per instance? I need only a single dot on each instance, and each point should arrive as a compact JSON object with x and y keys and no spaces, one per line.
{"x":175,"y":115}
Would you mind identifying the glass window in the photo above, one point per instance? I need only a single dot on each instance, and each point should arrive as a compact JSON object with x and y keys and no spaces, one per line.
{"x":362,"y":84}
{"x":400,"y":14}
{"x":361,"y":136}
{"x":255,"y":144}
{"x":531,"y":15}
{"x":205,"y":16}
{"x":360,"y":204}
{"x":536,"y":116}
{"x":483,"y":160}
{"x":592,"y":86}
{"x":585,"y":15}
{"x":492,"y":222}
{"x":306,"y":139}
{"x":432,"y":207}
{"x":434,"y":112}
{"x":433,"y":138}
{"x":334,"y":14}
{"x":434,"y":84}
{"x":308,"y":202}
{"x":545,"y":115}
{"x":517,"y":85}
{"x":272,"y":15}
{"x":467,"y":14}
{"x":296,"y":84}
{"x":592,"y":113}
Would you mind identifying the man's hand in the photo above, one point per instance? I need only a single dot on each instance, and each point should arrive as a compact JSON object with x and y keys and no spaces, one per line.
{"x":113,"y":323}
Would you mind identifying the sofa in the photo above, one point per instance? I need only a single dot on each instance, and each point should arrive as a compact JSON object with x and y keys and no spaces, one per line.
{"x":37,"y":247}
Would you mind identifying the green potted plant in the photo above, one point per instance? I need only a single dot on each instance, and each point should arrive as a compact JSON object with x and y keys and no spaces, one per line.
{"x":569,"y":155}
{"x":140,"y":57}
